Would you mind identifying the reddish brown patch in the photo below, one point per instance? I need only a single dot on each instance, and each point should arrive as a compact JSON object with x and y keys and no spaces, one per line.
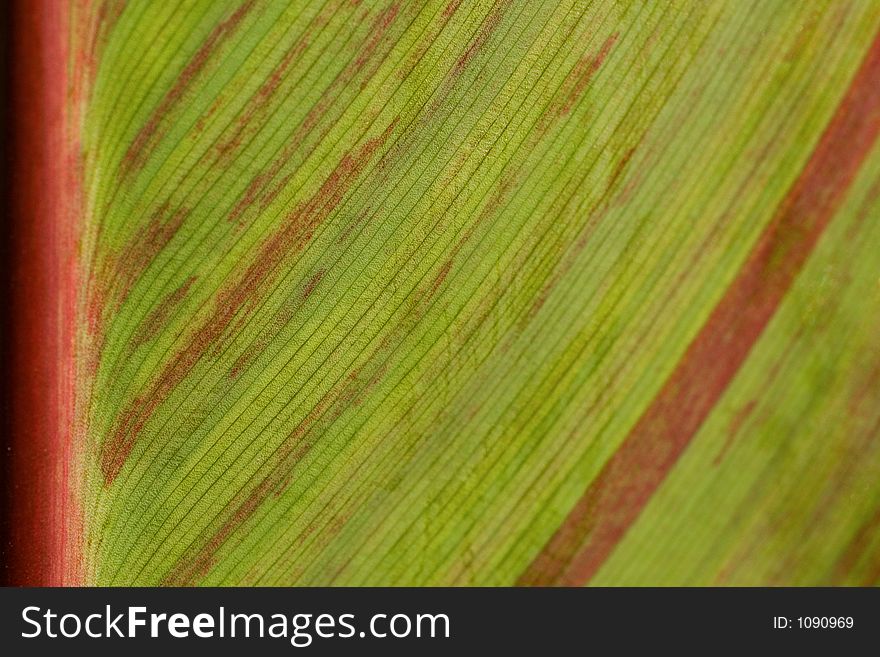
{"x":92,"y":39}
{"x":312,"y":284}
{"x":243,"y":361}
{"x":287,"y":312}
{"x":351,"y":225}
{"x":259,"y":103}
{"x":130,"y":263}
{"x":440,"y":277}
{"x":348,"y":393}
{"x":425,"y":43}
{"x":490,"y":24}
{"x":251,"y":192}
{"x":296,"y":231}
{"x":581,"y":74}
{"x":583,"y":237}
{"x":615,"y":499}
{"x":744,"y":413}
{"x":203,"y":119}
{"x":200,"y":559}
{"x":261,"y":191}
{"x":118,"y":273}
{"x":865,"y":396}
{"x":867,"y":211}
{"x":329,"y":529}
{"x":872,"y":574}
{"x":158,"y":316}
{"x":856,"y":551}
{"x":733,"y":430}
{"x":511,"y":180}
{"x":574,"y":85}
{"x":138,"y":151}
{"x":378,"y":31}
{"x":451,"y":8}
{"x":191,"y":570}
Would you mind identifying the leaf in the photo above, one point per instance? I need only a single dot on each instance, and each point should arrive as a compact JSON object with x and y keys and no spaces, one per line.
{"x":482,"y":293}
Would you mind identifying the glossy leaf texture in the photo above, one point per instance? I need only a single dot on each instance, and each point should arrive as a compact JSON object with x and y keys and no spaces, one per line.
{"x":487,"y":293}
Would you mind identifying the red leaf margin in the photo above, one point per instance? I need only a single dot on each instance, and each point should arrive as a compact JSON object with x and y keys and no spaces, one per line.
{"x":40,"y":312}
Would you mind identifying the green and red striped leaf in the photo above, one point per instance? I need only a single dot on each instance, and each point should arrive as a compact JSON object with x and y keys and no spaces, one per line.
{"x":438,"y":293}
